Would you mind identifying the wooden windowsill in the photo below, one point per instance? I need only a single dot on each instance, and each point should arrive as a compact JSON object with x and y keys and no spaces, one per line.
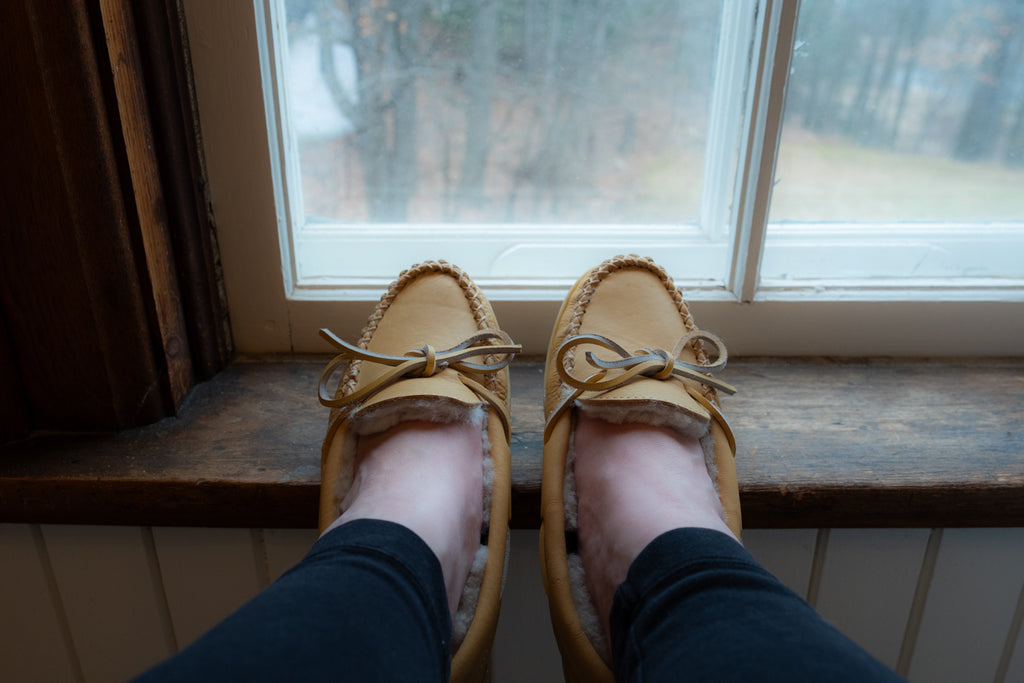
{"x":822,"y":443}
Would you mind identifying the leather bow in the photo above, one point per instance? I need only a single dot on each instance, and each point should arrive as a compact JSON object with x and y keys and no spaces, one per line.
{"x":644,"y":363}
{"x":425,"y":361}
{"x":654,"y":363}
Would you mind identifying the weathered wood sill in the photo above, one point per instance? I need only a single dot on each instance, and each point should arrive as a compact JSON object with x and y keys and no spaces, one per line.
{"x":822,"y":443}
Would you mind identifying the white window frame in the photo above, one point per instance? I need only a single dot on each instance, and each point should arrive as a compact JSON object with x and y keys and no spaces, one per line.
{"x":238,"y":82}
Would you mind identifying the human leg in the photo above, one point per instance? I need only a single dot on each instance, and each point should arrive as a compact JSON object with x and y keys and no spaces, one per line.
{"x":696,"y":602}
{"x":431,"y":352}
{"x":366,"y":603}
{"x":680,"y":593}
{"x":624,"y":350}
{"x":414,"y":507}
{"x":641,"y":509}
{"x":635,"y":482}
{"x":426,"y":477}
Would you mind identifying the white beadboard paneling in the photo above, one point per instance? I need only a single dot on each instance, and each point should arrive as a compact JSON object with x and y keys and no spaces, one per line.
{"x":524,"y":646}
{"x":867,"y":585}
{"x":1015,"y":671}
{"x":112,"y":603}
{"x":971,"y":601}
{"x":285,"y":547}
{"x":207,"y":575}
{"x":32,"y":646}
{"x":787,"y":553}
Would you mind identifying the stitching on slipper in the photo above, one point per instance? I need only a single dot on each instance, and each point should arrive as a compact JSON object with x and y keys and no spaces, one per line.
{"x":620,"y":262}
{"x":473,"y":295}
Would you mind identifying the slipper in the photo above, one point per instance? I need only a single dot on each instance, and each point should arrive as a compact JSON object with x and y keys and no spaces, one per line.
{"x":431,"y":351}
{"x":624,"y":349}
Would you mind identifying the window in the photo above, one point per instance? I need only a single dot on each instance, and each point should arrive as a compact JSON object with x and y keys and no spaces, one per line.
{"x":902,"y":153}
{"x":523,"y":140}
{"x":552,"y":135}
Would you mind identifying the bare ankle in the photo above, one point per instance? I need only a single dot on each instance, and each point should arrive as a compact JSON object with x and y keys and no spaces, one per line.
{"x":427,"y":477}
{"x":635,"y":482}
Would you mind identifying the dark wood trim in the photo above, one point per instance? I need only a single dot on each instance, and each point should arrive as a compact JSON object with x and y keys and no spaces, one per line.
{"x":13,"y":417}
{"x":822,"y":444}
{"x":136,"y":144}
{"x":166,"y":66}
{"x":101,"y":331}
{"x":77,"y":317}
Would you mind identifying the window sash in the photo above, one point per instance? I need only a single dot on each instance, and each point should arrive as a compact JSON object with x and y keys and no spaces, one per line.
{"x":316,"y":251}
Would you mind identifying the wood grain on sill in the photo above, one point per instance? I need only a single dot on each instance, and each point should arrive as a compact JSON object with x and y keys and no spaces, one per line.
{"x":823,"y":443}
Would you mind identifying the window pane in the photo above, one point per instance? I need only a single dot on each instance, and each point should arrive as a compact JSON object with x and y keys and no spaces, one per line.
{"x":501,"y":111}
{"x":902,"y":113}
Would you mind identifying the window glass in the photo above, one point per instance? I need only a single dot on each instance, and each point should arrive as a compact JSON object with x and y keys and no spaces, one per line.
{"x":500,"y":111}
{"x":903,"y":142}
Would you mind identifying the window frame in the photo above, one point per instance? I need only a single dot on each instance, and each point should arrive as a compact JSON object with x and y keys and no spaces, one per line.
{"x":250,"y":201}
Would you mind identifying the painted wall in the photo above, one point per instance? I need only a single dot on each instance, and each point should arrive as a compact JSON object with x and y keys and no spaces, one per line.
{"x":86,"y":603}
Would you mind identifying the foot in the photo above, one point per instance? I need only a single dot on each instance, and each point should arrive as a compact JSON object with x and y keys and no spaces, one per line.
{"x":427,"y":477}
{"x":633,"y":483}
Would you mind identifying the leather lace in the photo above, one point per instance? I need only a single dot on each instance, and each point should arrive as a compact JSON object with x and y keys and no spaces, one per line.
{"x":425,"y":361}
{"x":644,"y":364}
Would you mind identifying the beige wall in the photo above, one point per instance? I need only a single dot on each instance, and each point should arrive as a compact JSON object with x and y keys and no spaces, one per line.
{"x":102,"y":603}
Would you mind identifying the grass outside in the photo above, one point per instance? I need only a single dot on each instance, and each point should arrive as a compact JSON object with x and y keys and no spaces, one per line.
{"x":833,"y":180}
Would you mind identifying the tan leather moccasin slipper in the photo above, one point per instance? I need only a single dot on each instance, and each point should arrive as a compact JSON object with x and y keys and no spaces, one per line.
{"x":625,"y":349}
{"x":431,"y":351}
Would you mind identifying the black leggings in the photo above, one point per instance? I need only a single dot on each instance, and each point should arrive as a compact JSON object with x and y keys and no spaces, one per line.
{"x":695,"y":601}
{"x":368,"y":603}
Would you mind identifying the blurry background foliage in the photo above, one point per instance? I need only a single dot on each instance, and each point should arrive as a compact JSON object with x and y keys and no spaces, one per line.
{"x":582,"y":111}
